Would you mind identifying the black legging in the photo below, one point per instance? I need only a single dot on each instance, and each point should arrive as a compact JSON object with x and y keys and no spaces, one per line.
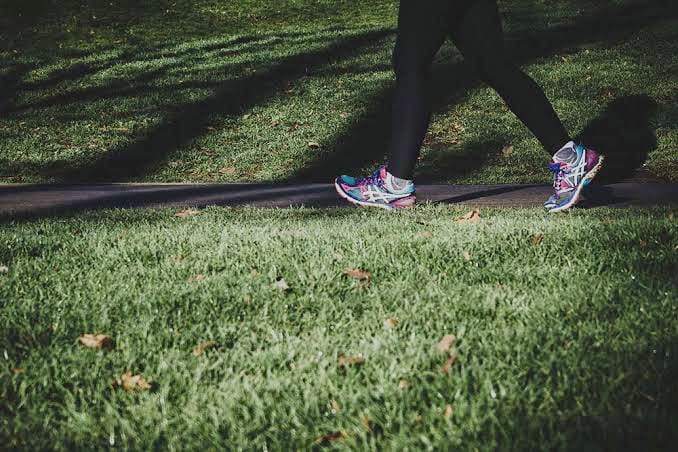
{"x":475,"y":28}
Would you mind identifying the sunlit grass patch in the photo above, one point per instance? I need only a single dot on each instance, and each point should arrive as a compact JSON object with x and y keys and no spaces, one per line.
{"x":564,"y":329}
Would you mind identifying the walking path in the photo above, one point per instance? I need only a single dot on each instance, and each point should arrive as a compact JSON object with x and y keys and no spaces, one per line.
{"x":17,"y":201}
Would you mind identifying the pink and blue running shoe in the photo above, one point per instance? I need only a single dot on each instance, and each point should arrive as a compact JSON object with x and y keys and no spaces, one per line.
{"x":376,"y":190}
{"x":573,"y":167}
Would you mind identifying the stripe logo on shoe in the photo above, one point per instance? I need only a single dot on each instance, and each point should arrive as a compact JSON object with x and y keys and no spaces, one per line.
{"x":372,"y":193}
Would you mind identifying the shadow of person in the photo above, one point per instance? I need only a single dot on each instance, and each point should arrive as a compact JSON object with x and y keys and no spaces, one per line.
{"x":9,"y":85}
{"x":622,"y":133}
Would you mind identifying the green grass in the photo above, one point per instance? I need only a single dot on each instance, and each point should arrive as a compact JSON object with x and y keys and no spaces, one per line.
{"x":566,"y":343}
{"x":177,"y":91}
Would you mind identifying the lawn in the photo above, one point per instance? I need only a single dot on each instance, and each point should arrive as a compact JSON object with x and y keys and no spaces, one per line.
{"x":244,"y":328}
{"x":565,"y":327}
{"x":299,"y":90}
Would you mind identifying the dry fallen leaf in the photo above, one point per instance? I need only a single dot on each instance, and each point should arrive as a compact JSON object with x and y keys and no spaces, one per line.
{"x":198,"y":277}
{"x":537,"y":239}
{"x":347,"y":361}
{"x":18,"y":370}
{"x":227,"y":170}
{"x":390,"y":323}
{"x":281,"y":284}
{"x":130,"y":382}
{"x":358,"y":274}
{"x":507,"y":150}
{"x":313,"y":144}
{"x":334,"y":406}
{"x":187,"y":213}
{"x":473,"y":215}
{"x":367,"y":424}
{"x":445,"y":343}
{"x":330,"y":438}
{"x":448,"y":411}
{"x":177,"y":258}
{"x":403,"y":384}
{"x":200,"y":349}
{"x":449,"y":363}
{"x":467,"y":255}
{"x":98,"y":341}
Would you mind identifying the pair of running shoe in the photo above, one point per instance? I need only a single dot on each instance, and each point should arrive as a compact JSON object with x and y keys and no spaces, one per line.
{"x":573,"y":167}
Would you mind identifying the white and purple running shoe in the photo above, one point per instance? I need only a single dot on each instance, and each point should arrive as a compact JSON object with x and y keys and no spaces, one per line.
{"x":376,"y":190}
{"x":573,"y":167}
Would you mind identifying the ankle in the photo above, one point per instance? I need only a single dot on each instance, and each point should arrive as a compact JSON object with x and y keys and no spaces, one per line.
{"x":396,"y":183}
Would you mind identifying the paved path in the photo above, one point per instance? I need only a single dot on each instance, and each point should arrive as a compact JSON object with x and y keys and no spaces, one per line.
{"x":44,"y":200}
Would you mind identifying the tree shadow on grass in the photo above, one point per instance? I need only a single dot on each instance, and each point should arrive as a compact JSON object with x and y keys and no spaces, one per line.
{"x":363,"y":143}
{"x":359,"y":144}
{"x":140,"y":85}
{"x":190,"y":120}
{"x":10,"y":84}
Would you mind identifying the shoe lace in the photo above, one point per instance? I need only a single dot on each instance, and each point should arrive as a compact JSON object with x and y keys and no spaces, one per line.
{"x":374,"y":179}
{"x":558,"y":171}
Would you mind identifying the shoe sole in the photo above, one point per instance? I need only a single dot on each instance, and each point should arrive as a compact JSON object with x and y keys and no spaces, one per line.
{"x":348,"y":198}
{"x":588,"y":177}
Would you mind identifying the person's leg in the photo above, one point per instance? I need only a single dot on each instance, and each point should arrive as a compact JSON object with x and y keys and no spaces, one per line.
{"x":422,"y":29}
{"x":480,"y":39}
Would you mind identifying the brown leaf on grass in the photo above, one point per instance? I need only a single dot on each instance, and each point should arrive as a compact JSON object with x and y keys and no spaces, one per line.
{"x":366,"y":422}
{"x":200,"y":349}
{"x":18,"y":370}
{"x":130,"y":382}
{"x":177,"y":258}
{"x":313,"y":144}
{"x":507,"y":150}
{"x":98,"y":341}
{"x":537,"y":239}
{"x":472,"y":216}
{"x":281,"y":284}
{"x":198,"y":277}
{"x":467,"y":255}
{"x":446,"y":343}
{"x":332,"y":437}
{"x":449,"y":363}
{"x":187,"y":213}
{"x":227,"y":170}
{"x":403,"y":384}
{"x":358,"y":274}
{"x":448,"y":411}
{"x":348,"y":361}
{"x":390,"y":323}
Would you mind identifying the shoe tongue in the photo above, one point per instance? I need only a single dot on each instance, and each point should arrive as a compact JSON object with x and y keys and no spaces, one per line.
{"x":566,"y":155}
